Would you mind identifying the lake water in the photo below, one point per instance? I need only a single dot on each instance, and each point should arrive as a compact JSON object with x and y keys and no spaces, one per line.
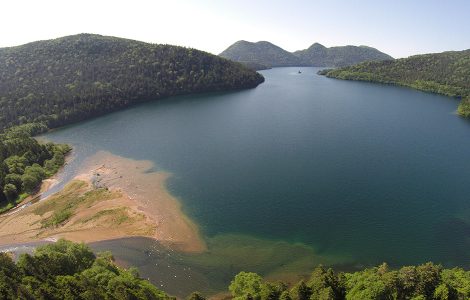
{"x":322,"y":170}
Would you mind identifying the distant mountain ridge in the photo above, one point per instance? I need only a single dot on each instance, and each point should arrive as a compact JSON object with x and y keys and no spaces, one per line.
{"x":73,"y":78}
{"x":262,"y":53}
{"x":269,"y":55}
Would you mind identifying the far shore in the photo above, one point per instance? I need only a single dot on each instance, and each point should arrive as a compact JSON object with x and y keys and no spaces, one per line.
{"x":137,"y":197}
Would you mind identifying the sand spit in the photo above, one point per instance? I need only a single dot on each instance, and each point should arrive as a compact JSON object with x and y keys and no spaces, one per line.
{"x":112,"y":197}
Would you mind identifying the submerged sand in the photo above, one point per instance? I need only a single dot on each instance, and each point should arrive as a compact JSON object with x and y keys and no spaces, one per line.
{"x":137,"y":204}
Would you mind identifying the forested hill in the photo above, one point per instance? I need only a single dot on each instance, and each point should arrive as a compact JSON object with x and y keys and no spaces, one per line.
{"x":76,"y":77}
{"x":445,"y":73}
{"x":262,"y":55}
{"x":320,"y":56}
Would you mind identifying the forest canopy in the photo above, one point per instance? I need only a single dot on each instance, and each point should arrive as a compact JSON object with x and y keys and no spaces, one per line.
{"x":424,"y":282}
{"x":66,"y":270}
{"x":69,"y":79}
{"x":24,"y":162}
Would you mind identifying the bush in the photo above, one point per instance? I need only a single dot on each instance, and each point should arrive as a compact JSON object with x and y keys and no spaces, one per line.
{"x":10,"y":192}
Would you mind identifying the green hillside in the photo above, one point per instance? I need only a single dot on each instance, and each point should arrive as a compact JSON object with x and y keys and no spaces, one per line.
{"x":320,"y":56}
{"x":261,"y":54}
{"x":446,"y":73}
{"x":69,"y":79}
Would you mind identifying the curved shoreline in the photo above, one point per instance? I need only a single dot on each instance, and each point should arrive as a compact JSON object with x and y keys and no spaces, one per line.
{"x":140,"y":194}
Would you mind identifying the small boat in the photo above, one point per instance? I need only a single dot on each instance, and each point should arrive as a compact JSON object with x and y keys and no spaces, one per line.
{"x":300,"y":72}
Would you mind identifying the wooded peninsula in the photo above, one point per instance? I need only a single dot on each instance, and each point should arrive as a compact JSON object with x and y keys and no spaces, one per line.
{"x":446,"y":73}
{"x":69,"y":79}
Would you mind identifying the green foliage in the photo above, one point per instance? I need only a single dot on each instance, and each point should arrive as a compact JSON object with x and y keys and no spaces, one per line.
{"x":14,"y":179}
{"x":10,"y":192}
{"x":58,"y":218}
{"x":464,"y":108}
{"x":60,"y":81}
{"x":426,"y":282}
{"x":301,"y":291}
{"x":61,"y":206}
{"x":9,"y":277}
{"x":324,"y":284}
{"x":271,"y":291}
{"x":246,"y":286}
{"x":66,"y":270}
{"x":24,"y":162}
{"x":459,"y":280}
{"x":444,"y":73}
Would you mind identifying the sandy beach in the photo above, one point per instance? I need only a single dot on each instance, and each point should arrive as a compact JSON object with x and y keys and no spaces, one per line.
{"x":113,"y":197}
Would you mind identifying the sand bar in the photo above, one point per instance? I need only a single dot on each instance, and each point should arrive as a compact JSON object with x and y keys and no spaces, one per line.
{"x":121,"y":198}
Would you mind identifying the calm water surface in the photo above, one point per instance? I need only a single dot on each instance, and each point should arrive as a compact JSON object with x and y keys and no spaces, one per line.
{"x":360,"y":172}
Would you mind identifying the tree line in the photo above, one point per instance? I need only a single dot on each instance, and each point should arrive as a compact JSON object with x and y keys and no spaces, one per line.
{"x":424,"y":282}
{"x":66,"y":270}
{"x":446,"y":73}
{"x":24,"y":162}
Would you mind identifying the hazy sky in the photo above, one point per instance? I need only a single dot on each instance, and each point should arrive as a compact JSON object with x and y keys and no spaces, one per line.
{"x":397,"y":27}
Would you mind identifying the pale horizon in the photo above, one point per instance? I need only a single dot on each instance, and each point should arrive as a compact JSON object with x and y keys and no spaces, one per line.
{"x":400,"y":29}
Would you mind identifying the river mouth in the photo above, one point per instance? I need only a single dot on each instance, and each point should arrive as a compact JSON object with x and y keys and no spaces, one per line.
{"x":348,"y":174}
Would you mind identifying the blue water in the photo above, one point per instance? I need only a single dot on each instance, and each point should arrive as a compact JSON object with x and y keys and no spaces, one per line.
{"x":363,"y":171}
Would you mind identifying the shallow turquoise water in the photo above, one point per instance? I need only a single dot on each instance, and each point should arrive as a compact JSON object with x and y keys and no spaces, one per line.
{"x":368,"y":172}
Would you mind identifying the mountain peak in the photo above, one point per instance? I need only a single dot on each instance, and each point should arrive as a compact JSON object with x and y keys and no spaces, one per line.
{"x":267,"y":54}
{"x":317,"y":46}
{"x":262,"y":53}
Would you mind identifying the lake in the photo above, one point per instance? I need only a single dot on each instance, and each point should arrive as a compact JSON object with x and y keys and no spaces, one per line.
{"x":302,"y":169}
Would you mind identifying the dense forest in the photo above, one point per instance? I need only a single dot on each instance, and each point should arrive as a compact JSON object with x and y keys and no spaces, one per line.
{"x":24,"y":162}
{"x":64,"y":80}
{"x":446,"y":73}
{"x":424,"y":282}
{"x":263,"y":55}
{"x":66,"y":270}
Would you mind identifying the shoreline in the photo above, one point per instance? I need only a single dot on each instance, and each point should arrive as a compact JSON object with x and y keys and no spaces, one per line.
{"x":137,"y":203}
{"x":45,"y":186}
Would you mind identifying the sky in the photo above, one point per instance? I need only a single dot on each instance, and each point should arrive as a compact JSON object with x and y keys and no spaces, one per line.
{"x":398,"y":27}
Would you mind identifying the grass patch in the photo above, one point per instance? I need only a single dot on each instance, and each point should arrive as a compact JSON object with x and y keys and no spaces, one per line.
{"x":115,"y":216}
{"x":64,"y":204}
{"x":9,"y":205}
{"x":57,"y":219}
{"x":6,"y":207}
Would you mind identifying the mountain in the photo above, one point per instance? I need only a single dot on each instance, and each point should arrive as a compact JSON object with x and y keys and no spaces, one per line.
{"x":77,"y":77}
{"x":320,"y":56}
{"x":265,"y":55}
{"x":260,"y":53}
{"x":446,"y":73}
